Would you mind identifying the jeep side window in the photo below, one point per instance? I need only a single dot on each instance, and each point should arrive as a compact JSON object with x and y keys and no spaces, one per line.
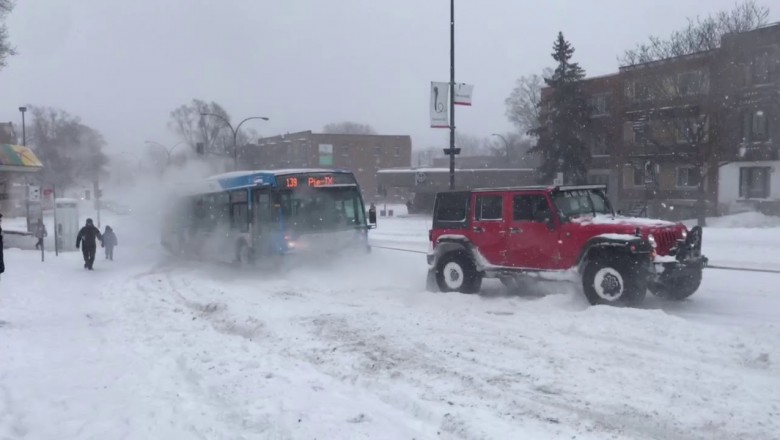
{"x":489,"y":207}
{"x":452,"y":207}
{"x":531,"y":208}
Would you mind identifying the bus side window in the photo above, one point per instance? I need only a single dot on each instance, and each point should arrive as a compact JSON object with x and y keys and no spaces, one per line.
{"x":239,"y":211}
{"x":262,"y":207}
{"x":240,"y":217}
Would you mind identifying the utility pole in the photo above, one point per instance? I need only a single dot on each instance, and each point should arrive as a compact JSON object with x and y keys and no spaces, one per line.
{"x":452,"y":152}
{"x":23,"y":110}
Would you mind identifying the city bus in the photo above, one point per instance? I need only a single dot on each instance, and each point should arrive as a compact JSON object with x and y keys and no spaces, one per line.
{"x":252,"y":216}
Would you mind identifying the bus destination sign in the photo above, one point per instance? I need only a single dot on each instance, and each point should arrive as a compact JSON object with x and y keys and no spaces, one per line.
{"x":317,"y":180}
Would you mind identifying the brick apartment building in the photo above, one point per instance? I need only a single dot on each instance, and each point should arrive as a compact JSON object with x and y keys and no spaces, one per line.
{"x":735,"y":90}
{"x":362,"y":154}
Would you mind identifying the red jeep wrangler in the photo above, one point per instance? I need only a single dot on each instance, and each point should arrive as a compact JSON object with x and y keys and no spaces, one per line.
{"x":560,"y":233}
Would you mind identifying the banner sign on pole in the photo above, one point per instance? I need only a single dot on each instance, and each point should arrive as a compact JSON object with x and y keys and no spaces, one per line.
{"x":463,"y":93}
{"x":440,"y":92}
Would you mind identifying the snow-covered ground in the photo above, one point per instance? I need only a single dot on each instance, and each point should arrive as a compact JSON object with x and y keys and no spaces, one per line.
{"x":150,"y":348}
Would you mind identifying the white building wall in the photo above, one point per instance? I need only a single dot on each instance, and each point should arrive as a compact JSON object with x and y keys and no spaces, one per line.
{"x":728,"y":183}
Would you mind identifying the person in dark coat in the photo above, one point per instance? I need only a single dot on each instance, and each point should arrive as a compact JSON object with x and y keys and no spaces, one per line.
{"x":2,"y":263}
{"x":109,"y":241}
{"x":87,"y":240}
{"x":40,"y":233}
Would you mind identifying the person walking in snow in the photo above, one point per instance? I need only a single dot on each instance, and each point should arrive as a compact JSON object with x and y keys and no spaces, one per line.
{"x":109,"y":242}
{"x":40,"y":233}
{"x":87,"y":240}
{"x":2,"y":263}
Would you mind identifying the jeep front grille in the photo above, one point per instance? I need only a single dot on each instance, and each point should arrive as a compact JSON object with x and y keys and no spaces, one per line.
{"x":665,"y":241}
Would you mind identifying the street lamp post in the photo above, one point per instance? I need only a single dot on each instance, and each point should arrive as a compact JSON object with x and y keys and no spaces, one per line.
{"x":23,"y":110}
{"x":235,"y":132}
{"x":168,"y":151}
{"x":24,"y":129}
{"x":641,"y":126}
{"x":506,"y":144}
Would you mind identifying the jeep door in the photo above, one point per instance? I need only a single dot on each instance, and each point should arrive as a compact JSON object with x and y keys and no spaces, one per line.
{"x":533,"y":232}
{"x":488,"y":226}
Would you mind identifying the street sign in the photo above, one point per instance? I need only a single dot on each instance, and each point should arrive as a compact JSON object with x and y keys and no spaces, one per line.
{"x":420,"y":178}
{"x":34,"y":193}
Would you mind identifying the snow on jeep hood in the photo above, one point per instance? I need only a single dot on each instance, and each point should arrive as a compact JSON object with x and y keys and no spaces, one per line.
{"x":602,"y":219}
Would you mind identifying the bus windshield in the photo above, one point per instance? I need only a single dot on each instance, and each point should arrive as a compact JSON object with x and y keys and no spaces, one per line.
{"x":322,"y":209}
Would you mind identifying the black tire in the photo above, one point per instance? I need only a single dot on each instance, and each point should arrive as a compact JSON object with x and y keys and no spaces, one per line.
{"x":679,"y":287}
{"x":456,"y":272}
{"x":613,"y":281}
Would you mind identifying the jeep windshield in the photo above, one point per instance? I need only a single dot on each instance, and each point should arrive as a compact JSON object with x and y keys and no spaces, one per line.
{"x":575,"y":203}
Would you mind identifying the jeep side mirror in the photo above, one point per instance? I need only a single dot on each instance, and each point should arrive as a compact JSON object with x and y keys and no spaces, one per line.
{"x":372,"y":217}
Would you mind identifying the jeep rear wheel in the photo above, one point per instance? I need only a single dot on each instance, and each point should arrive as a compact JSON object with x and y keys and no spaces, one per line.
{"x":613,"y":281}
{"x":456,"y":272}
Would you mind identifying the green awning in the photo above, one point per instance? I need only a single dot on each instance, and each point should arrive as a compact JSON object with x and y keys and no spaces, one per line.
{"x":18,"y":158}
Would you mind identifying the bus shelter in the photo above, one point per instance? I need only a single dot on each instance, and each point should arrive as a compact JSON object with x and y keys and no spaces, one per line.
{"x":16,"y":161}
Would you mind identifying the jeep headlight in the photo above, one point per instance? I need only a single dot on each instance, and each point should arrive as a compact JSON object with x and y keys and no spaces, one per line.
{"x":684,"y":234}
{"x":651,"y":239}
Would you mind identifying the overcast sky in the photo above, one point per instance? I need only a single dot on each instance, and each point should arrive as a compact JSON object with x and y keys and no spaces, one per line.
{"x":122,"y":66}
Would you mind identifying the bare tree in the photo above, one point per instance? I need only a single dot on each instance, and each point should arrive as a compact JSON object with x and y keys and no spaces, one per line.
{"x":6,"y":49}
{"x":348,"y":127}
{"x":680,"y":122}
{"x":515,"y":148}
{"x":522,"y":105}
{"x":699,"y":35}
{"x":70,"y":150}
{"x":193,"y":128}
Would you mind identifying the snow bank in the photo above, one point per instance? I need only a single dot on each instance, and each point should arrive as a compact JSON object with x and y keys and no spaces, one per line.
{"x":744,"y":220}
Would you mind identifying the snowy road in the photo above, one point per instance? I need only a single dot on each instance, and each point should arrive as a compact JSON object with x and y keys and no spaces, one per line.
{"x":151,"y":348}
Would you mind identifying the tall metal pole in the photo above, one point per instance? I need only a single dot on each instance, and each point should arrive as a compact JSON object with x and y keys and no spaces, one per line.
{"x":24,"y":128}
{"x":56,"y":232}
{"x":26,"y":179}
{"x":452,"y":94}
{"x":506,"y":144}
{"x":235,"y":132}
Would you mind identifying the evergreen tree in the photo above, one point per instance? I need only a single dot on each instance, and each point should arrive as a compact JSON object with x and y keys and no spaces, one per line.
{"x":563,"y":120}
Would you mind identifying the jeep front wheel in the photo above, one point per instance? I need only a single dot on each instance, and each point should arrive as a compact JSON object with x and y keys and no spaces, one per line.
{"x":456,"y":272}
{"x":612,"y":281}
{"x":678,"y":287}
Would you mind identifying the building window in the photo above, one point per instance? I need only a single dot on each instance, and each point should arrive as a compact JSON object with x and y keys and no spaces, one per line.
{"x":688,"y":177}
{"x":326,"y":155}
{"x":692,"y":83}
{"x":598,"y":145}
{"x":760,"y":67}
{"x":598,"y":179}
{"x":629,"y":135}
{"x":639,"y":176}
{"x":754,"y":182}
{"x":599,"y":105}
{"x":755,"y":127}
{"x":377,"y":151}
{"x":397,"y":151}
